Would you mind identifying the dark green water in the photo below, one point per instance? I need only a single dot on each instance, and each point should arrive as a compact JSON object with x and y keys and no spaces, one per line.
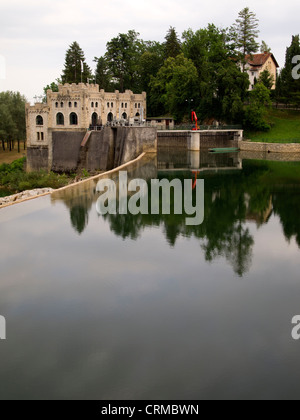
{"x":145,"y":307}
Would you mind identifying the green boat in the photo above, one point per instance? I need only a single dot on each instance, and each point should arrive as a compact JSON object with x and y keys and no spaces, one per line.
{"x":224,"y":150}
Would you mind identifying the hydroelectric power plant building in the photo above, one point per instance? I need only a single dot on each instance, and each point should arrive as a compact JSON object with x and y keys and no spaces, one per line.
{"x":69,"y":130}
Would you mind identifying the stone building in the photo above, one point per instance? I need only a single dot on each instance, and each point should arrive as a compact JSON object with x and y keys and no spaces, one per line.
{"x":78,"y":107}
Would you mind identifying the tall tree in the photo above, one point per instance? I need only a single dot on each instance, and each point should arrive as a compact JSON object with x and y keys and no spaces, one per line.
{"x":289,"y":80}
{"x":103,"y":76}
{"x":12,"y":121}
{"x":243,"y":34}
{"x":172,"y":45}
{"x":264,"y":47}
{"x":76,"y":69}
{"x":122,"y":56}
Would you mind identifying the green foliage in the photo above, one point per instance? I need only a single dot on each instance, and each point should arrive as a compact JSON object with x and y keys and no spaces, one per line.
{"x":74,"y":64}
{"x":122,"y":57}
{"x":255,"y":115}
{"x":288,"y":88}
{"x":267,"y":79}
{"x":12,"y":112}
{"x":14,"y":178}
{"x":264,"y":47}
{"x":175,"y":82}
{"x":103,"y":76}
{"x":172,"y":46}
{"x":243,"y":35}
{"x":53,"y":86}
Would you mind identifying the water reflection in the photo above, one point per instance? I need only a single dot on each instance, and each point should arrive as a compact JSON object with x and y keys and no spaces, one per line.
{"x":236,"y":195}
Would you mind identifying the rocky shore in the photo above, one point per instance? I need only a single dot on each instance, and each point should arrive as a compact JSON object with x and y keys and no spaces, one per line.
{"x":24,"y":195}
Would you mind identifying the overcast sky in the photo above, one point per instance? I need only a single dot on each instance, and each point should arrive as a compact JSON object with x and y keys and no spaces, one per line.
{"x":35,"y":34}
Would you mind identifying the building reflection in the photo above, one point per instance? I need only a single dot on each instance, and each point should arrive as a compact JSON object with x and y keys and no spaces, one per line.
{"x":237,"y":193}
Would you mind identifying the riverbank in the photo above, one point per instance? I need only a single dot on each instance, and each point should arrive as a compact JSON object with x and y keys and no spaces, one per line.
{"x":285,"y":128}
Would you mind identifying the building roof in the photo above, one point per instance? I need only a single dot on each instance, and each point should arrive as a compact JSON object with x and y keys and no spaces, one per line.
{"x":258,"y":60}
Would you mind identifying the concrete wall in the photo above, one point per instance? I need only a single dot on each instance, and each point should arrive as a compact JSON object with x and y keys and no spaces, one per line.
{"x":270,"y":147}
{"x":208,"y":138}
{"x":104,"y":150}
{"x":65,"y":150}
{"x":37,"y":158}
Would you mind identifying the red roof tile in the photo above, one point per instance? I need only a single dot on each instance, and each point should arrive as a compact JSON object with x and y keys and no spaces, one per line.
{"x":258,"y":60}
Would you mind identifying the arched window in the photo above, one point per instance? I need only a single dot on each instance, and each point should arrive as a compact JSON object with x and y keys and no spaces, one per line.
{"x":126,"y":105}
{"x":39,"y":120}
{"x":73,"y":119}
{"x":61,"y":104}
{"x":124,"y":116}
{"x":60,"y":120}
{"x":70,"y":104}
{"x":110,"y":117}
{"x":112,"y":105}
{"x":92,"y":104}
{"x":56,"y":104}
{"x":75,"y":104}
{"x":135,"y":105}
{"x":137,"y":114}
{"x":139,"y":105}
{"x":96,"y":104}
{"x":107,"y":104}
{"x":122,"y":106}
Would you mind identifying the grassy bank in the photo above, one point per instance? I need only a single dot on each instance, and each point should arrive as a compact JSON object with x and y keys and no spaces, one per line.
{"x":285,"y":128}
{"x":14,"y":179}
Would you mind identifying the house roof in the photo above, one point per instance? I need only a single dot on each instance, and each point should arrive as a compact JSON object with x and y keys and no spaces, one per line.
{"x":258,"y":60}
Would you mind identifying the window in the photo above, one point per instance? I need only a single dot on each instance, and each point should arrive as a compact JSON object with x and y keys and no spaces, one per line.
{"x":135,"y":105}
{"x":70,"y":104}
{"x":137,"y":114}
{"x":92,"y":104}
{"x":94,"y":119}
{"x":110,"y":117}
{"x":126,"y":105}
{"x":122,"y":106}
{"x":75,"y":104}
{"x":73,"y":119}
{"x":139,"y":105}
{"x":112,"y":105}
{"x":107,"y":104}
{"x":60,"y":119}
{"x":96,"y":104}
{"x":56,"y":104}
{"x":39,"y":120}
{"x":124,"y":116}
{"x":42,"y":136}
{"x":38,"y":136}
{"x":61,"y":104}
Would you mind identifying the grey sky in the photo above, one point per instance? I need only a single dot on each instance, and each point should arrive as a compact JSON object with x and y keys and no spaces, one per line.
{"x":34,"y":34}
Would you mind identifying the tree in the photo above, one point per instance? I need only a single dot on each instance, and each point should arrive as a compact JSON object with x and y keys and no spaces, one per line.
{"x":289,"y":84}
{"x":264,"y":48}
{"x":222,"y":87}
{"x":255,"y":111}
{"x":12,"y":121}
{"x":267,"y":79}
{"x":175,"y":82}
{"x":122,"y":57}
{"x":172,"y":45}
{"x":53,"y":86}
{"x":76,"y":70}
{"x":243,"y":35}
{"x":103,"y":76}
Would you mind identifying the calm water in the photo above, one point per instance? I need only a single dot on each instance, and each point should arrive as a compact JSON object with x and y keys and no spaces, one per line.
{"x":144,"y":307}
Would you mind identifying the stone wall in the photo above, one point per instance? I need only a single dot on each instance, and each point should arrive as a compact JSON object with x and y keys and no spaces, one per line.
{"x":37,"y":158}
{"x":269,"y":147}
{"x":65,"y":150}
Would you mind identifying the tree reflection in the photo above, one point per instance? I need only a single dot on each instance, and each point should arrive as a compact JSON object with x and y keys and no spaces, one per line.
{"x":79,"y":218}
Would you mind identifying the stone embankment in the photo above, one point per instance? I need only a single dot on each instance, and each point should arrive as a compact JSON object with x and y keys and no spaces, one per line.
{"x":24,"y":195}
